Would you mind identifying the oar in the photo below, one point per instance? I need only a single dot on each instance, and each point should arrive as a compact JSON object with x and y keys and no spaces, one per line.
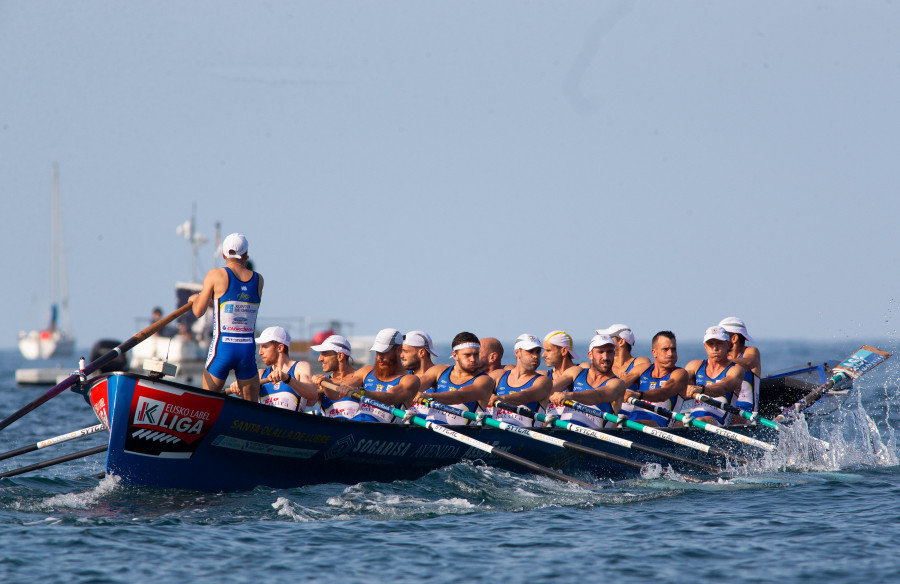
{"x":522,"y":410}
{"x":53,"y":461}
{"x":857,"y":364}
{"x":95,"y":364}
{"x":669,"y":414}
{"x":532,"y":434}
{"x":51,"y":441}
{"x":654,"y":432}
{"x":753,"y":417}
{"x":470,"y":441}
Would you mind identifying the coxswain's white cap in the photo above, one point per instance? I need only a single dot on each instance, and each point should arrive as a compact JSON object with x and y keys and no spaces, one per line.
{"x":599,"y":341}
{"x":562,"y":339}
{"x":716,"y":332}
{"x":527,"y":342}
{"x":619,"y":330}
{"x":235,"y":246}
{"x":385,"y":339}
{"x":733,"y":324}
{"x":274,"y":333}
{"x":335,"y":343}
{"x":419,"y":339}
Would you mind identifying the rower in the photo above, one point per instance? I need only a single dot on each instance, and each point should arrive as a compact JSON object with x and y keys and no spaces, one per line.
{"x":416,"y":352}
{"x":522,"y":385}
{"x":334,"y":358}
{"x":462,"y":385}
{"x":748,"y":358}
{"x":663,"y":383}
{"x":594,"y":386}
{"x":559,"y":353}
{"x":715,"y":376}
{"x":385,"y":381}
{"x":235,"y":292}
{"x":491,"y":354}
{"x":626,"y":367}
{"x":284,"y":383}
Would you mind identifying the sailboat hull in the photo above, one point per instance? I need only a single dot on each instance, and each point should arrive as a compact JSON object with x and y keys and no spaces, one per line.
{"x":45,"y":344}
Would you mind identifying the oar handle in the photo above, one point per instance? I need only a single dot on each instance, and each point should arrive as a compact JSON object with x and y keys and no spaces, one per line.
{"x":96,"y":364}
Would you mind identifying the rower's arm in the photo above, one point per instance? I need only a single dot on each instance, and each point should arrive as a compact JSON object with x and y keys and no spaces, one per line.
{"x":397,"y":394}
{"x":301,"y":382}
{"x":675,"y":385}
{"x":641,"y":364}
{"x":538,"y":392}
{"x":562,"y":382}
{"x":478,"y":390}
{"x":213,"y":280}
{"x":751,"y":361}
{"x":612,"y":393}
{"x":731,"y":384}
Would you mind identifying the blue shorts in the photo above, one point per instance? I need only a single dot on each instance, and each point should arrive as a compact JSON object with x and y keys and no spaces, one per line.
{"x":225,"y":357}
{"x":642,"y":416}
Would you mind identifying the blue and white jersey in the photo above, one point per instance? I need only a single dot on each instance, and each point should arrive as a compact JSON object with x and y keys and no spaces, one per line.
{"x":748,"y":398}
{"x":645,"y":384}
{"x":349,"y":409}
{"x":504,"y":389}
{"x":281,"y":395}
{"x":567,"y":414}
{"x":444,"y":384}
{"x":700,"y":409}
{"x":233,"y":346}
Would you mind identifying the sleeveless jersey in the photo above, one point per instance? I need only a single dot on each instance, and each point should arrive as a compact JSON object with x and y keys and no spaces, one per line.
{"x":748,"y":398}
{"x":504,"y":389}
{"x":567,"y":414}
{"x":280,"y":394}
{"x":700,"y":409}
{"x":646,"y":383}
{"x":349,"y":409}
{"x":444,"y":384}
{"x":234,"y":321}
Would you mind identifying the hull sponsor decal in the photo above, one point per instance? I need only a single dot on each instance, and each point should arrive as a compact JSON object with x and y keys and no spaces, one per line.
{"x":100,"y":402}
{"x":167,"y":422}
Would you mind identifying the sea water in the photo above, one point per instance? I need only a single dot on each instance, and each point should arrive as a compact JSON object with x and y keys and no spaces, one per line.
{"x":800,"y":514}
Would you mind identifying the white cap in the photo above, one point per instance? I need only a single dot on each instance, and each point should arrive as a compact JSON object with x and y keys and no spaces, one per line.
{"x":562,"y":339}
{"x":419,"y":339}
{"x":599,"y":341}
{"x":274,"y":333}
{"x":527,"y":342}
{"x":335,"y":343}
{"x":385,"y":339}
{"x":619,"y":330}
{"x":716,"y":332}
{"x":733,"y":324}
{"x":234,"y":246}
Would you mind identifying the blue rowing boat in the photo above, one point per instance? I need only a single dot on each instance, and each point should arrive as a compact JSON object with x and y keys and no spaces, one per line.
{"x":166,"y":434}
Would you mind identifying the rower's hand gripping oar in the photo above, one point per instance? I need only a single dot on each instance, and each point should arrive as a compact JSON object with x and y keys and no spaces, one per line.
{"x":467,"y":440}
{"x":523,"y":411}
{"x":531,"y":433}
{"x":669,"y":414}
{"x":95,"y":364}
{"x":654,"y":431}
{"x":857,"y":364}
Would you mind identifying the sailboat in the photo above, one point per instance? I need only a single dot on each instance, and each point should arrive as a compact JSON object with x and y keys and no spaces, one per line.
{"x":55,"y":340}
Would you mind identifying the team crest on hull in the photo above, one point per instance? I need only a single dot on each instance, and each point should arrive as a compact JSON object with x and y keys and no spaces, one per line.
{"x":168,"y":423}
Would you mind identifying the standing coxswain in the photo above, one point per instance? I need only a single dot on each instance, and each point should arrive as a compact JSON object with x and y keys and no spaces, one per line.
{"x":235,"y":292}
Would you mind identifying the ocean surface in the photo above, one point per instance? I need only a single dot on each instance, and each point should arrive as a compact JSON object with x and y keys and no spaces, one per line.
{"x":831,"y":519}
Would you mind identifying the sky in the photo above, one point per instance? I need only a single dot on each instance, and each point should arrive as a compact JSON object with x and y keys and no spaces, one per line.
{"x":499,"y":167}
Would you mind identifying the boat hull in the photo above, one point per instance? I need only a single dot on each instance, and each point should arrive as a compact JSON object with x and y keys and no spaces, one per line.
{"x":166,"y":434}
{"x":46,"y":345}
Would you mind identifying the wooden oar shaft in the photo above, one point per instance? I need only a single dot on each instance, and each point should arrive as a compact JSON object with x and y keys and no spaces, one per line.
{"x":53,"y":461}
{"x":51,"y":441}
{"x":535,"y":435}
{"x":701,"y":424}
{"x":522,"y":410}
{"x":453,"y":435}
{"x":95,"y":364}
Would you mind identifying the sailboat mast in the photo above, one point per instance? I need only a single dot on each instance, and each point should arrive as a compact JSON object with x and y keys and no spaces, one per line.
{"x":60,"y":252}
